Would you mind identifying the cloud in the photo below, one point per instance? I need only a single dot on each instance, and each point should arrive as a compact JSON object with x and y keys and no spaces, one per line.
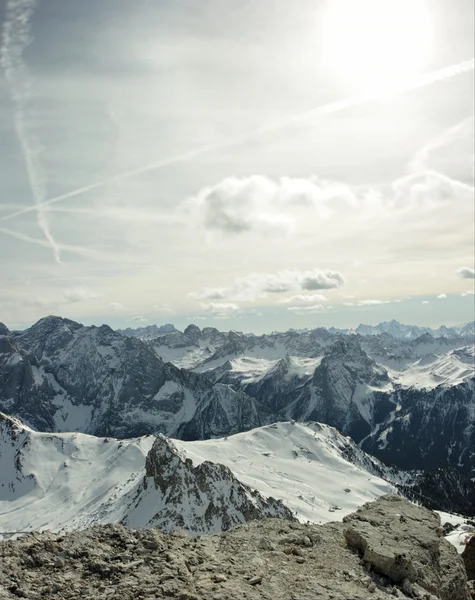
{"x":424,"y":80}
{"x":302,"y":310}
{"x":259,"y":203}
{"x":468,"y":293}
{"x":442,"y":296}
{"x":322,"y":280}
{"x":466,"y":273}
{"x":220,"y":310}
{"x":304,"y":298}
{"x":257,"y":285}
{"x":366,"y":303}
{"x":425,"y":302}
{"x":140,"y":319}
{"x":163,"y":308}
{"x":78,"y":294}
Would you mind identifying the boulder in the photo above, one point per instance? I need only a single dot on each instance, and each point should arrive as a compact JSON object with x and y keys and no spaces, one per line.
{"x":404,"y":542}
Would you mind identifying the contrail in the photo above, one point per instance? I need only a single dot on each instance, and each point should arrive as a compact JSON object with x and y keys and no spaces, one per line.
{"x":326,"y":109}
{"x":15,"y":39}
{"x":68,"y":248}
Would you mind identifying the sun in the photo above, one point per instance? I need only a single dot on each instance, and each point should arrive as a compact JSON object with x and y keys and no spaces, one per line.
{"x":376,"y":44}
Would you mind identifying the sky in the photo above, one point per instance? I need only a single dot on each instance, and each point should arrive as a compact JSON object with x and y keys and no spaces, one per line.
{"x":245,"y":165}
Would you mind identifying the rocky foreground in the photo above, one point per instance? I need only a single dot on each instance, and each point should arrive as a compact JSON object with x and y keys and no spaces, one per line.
{"x":387,"y":549}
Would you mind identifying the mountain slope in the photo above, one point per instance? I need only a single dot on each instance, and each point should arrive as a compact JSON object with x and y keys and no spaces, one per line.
{"x":74,"y":480}
{"x":61,"y":376}
{"x":398,"y":398}
{"x":71,"y":481}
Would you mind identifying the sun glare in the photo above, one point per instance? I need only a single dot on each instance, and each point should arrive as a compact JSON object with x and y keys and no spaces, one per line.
{"x":375,"y":44}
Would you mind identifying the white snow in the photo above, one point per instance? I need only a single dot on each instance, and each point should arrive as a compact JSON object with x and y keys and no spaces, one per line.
{"x":252,"y":369}
{"x":70,"y":480}
{"x":297,"y":463}
{"x":458,"y":537}
{"x":67,"y":481}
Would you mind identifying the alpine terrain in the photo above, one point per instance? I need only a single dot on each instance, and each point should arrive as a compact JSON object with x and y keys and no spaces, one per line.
{"x":406,"y":399}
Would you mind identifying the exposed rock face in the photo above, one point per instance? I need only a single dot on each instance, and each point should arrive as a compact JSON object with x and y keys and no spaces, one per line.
{"x":404,"y":542}
{"x":419,"y":428}
{"x":262,"y":560}
{"x":441,"y":489}
{"x":203,"y":499}
{"x":149,"y":331}
{"x":340,"y":390}
{"x":468,"y":557}
{"x":61,"y":376}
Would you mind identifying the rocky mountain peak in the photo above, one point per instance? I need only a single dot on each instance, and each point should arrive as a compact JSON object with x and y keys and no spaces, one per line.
{"x":10,"y":427}
{"x":425,"y":338}
{"x":193,"y":332}
{"x":205,"y":498}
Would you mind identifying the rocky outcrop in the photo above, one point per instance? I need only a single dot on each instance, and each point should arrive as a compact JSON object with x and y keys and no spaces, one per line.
{"x":404,"y":543}
{"x":206,"y":498}
{"x":269,"y":559}
{"x":468,"y":556}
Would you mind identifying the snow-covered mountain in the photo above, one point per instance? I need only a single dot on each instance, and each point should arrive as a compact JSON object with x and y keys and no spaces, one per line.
{"x":148,"y":331}
{"x":309,"y":471}
{"x":411,"y":332}
{"x":74,"y":480}
{"x":409,"y":402}
{"x":61,"y":376}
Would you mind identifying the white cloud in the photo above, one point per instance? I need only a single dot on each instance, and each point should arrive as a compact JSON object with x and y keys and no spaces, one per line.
{"x":306,"y":309}
{"x":442,"y":296}
{"x":372,"y":302}
{"x":466,"y":273}
{"x":425,"y":302}
{"x":257,"y":285}
{"x":220,"y":309}
{"x":78,"y":294}
{"x":163,"y":308}
{"x":304,"y":298}
{"x":468,"y":293}
{"x":139,"y":319}
{"x":321,"y":280}
{"x":259,"y":203}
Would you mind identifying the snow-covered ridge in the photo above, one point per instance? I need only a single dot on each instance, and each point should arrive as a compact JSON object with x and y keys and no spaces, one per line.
{"x":72,"y":480}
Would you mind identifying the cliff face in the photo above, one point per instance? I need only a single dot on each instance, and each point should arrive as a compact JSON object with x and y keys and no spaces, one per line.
{"x":388,"y":549}
{"x":61,"y":376}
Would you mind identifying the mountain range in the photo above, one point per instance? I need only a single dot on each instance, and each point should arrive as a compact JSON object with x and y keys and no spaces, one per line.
{"x":409,"y":402}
